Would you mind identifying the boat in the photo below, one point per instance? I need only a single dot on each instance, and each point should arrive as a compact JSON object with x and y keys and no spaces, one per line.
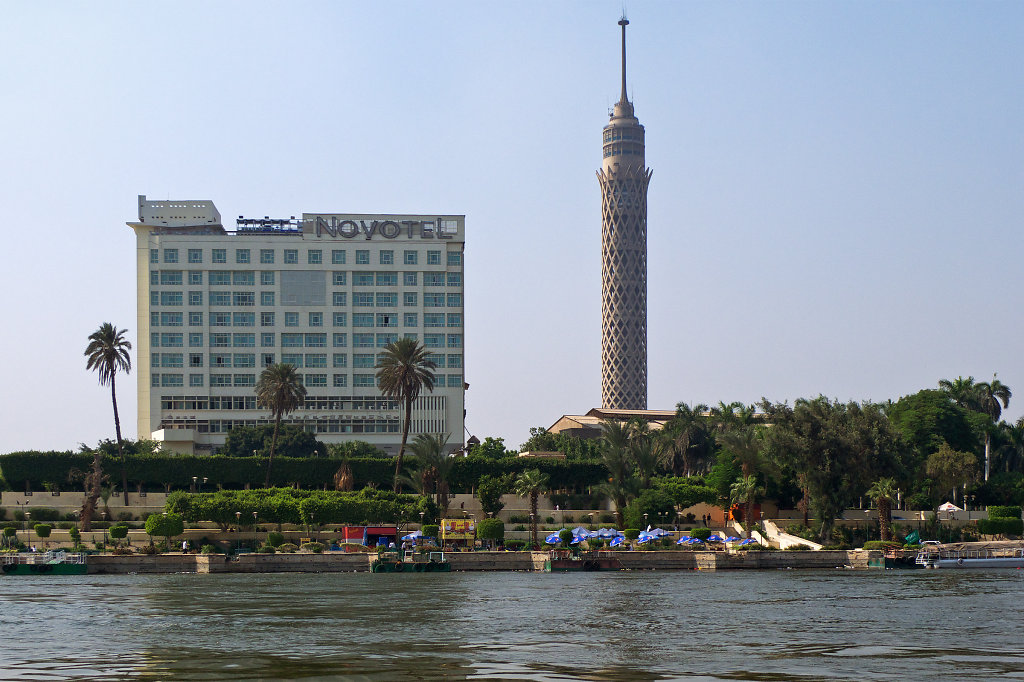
{"x":896,"y":558}
{"x":568,"y":560}
{"x":972,"y":558}
{"x":47,"y":563}
{"x":411,"y":562}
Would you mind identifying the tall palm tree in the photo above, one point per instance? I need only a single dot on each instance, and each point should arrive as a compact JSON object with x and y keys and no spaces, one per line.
{"x":649,"y":454}
{"x":616,"y":455}
{"x":745,"y":444}
{"x":883,"y":492}
{"x":280,"y":390}
{"x":745,"y":489}
{"x":531,"y":483}
{"x":404,"y":370}
{"x":434,"y":469}
{"x":686,"y":429}
{"x":990,"y":395}
{"x":963,"y":392}
{"x":108,"y":353}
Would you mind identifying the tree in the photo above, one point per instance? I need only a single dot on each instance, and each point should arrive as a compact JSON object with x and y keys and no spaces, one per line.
{"x":491,"y":448}
{"x":617,"y":458}
{"x":404,"y":370}
{"x":43,"y":530}
{"x":434,"y":467}
{"x":540,"y":440}
{"x":951,"y":468}
{"x":489,"y":490}
{"x":963,"y":392}
{"x":745,"y":489}
{"x":990,"y":395}
{"x":107,"y":353}
{"x":531,"y":483}
{"x":649,"y":453}
{"x":882,"y":492}
{"x":280,"y":390}
{"x":166,"y":525}
{"x":292,"y":441}
{"x":491,"y":529}
{"x":688,"y":434}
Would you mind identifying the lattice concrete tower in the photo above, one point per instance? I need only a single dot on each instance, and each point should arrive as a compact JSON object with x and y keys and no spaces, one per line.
{"x":624,"y":179}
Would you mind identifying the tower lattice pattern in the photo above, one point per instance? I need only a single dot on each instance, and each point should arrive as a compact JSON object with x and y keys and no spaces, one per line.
{"x":624,"y":287}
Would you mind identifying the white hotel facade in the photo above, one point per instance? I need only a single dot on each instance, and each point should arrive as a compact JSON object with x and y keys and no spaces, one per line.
{"x":324,"y":292}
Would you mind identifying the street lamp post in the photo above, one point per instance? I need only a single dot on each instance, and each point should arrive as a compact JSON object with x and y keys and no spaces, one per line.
{"x":28,"y":523}
{"x":238,"y":530}
{"x":194,"y":479}
{"x":255,"y":533}
{"x":645,"y":519}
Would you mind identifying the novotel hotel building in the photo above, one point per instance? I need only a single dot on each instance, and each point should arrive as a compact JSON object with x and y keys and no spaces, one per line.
{"x":324,"y":292}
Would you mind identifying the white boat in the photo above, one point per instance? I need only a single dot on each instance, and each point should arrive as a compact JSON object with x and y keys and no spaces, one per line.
{"x":972,"y":558}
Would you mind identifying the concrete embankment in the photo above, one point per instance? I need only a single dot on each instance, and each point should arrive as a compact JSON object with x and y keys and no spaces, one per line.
{"x":338,"y":562}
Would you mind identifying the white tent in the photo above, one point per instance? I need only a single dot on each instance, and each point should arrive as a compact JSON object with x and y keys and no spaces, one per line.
{"x":948,"y":507}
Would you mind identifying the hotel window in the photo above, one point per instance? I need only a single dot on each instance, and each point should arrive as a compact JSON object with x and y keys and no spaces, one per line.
{"x":339,"y":298}
{"x":171,"y":380}
{"x":220,"y":298}
{"x":244,"y":340}
{"x":291,"y":340}
{"x":267,"y":256}
{"x":268,"y":359}
{"x":316,"y":360}
{"x":387,"y":279}
{"x":362,"y":257}
{"x":245,"y":298}
{"x":338,"y":279}
{"x":220,"y":379}
{"x":155,"y":378}
{"x":195,"y":277}
{"x":362,"y":319}
{"x":293,"y":359}
{"x":433,"y":300}
{"x":437,"y":359}
{"x":411,"y":320}
{"x":267,"y":340}
{"x":195,"y":380}
{"x":340,"y":360}
{"x":267,"y":298}
{"x":340,"y":319}
{"x":291,"y":319}
{"x":362,"y":279}
{"x":454,"y":258}
{"x":363,"y":380}
{"x":387,"y":300}
{"x":454,"y":300}
{"x":195,"y":340}
{"x":433,"y":319}
{"x":454,"y":380}
{"x":245,"y":380}
{"x":387,"y":257}
{"x":384,"y":339}
{"x":454,"y":319}
{"x":245,"y":360}
{"x":154,"y":255}
{"x":362,"y":300}
{"x":316,"y":319}
{"x":338,"y":256}
{"x":195,"y":359}
{"x":267,"y":279}
{"x":433,"y":279}
{"x":244,"y":319}
{"x":220,"y":340}
{"x":410,"y":298}
{"x":362,"y":340}
{"x":455,"y":279}
{"x":266,"y":319}
{"x":170,"y":277}
{"x":171,"y":319}
{"x":243,"y":278}
{"x":220,"y":319}
{"x":242,"y":255}
{"x":154,"y":360}
{"x":154,"y":339}
{"x":316,"y":340}
{"x":154,"y":277}
{"x":409,"y":279}
{"x":364,"y":360}
{"x":387,"y":319}
{"x":170,"y":255}
{"x":195,"y":298}
{"x":195,"y":319}
{"x":220,"y":278}
{"x":455,"y":360}
{"x":411,"y":258}
{"x":154,"y":298}
{"x":340,"y":380}
{"x":340,"y":340}
{"x":433,"y":257}
{"x":291,"y":256}
{"x":314,"y":257}
{"x":219,"y":256}
{"x":455,"y":340}
{"x":316,"y":380}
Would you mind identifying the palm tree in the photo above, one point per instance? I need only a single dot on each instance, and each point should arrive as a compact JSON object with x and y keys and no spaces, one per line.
{"x":649,"y":453}
{"x":686,"y":429}
{"x":280,"y":390}
{"x":531,"y":483}
{"x":883,"y":492}
{"x":745,"y":444}
{"x":434,"y":470}
{"x":745,"y":489}
{"x":990,"y":395}
{"x":107,"y":354}
{"x":403,"y":371}
{"x":963,"y":392}
{"x":616,"y":455}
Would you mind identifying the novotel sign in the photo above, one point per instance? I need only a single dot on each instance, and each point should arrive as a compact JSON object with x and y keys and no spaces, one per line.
{"x":335,"y":226}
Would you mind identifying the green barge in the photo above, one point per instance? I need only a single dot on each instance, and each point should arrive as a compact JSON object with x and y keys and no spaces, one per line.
{"x":48,"y":563}
{"x":567,"y":560}
{"x":412,"y":562}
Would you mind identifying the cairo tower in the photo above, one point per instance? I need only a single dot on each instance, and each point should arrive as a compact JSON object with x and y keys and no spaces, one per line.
{"x":624,"y":178}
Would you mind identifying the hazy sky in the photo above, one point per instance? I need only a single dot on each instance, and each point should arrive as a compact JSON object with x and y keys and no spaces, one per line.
{"x":835,"y":208}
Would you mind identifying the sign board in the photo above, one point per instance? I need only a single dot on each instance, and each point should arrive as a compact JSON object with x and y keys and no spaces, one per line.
{"x":458,"y":529}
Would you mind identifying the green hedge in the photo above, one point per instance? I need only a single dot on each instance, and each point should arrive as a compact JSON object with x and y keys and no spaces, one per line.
{"x":1003,"y":512}
{"x":1001,"y":526}
{"x":154,"y":472}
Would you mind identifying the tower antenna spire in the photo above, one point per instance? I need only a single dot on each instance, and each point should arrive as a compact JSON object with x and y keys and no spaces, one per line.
{"x":623,"y":22}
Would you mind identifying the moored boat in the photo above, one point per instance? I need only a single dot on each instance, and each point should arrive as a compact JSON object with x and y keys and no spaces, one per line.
{"x":972,"y":558}
{"x":567,"y":560}
{"x":391,"y":562}
{"x":47,"y":563}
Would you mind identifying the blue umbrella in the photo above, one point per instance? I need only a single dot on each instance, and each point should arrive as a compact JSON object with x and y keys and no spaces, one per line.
{"x":732,"y":538}
{"x":618,"y":540}
{"x":749,"y":541}
{"x":714,"y":538}
{"x":606,"y":533}
{"x":644,"y":538}
{"x":577,"y":540}
{"x":685,"y":540}
{"x":553,"y":539}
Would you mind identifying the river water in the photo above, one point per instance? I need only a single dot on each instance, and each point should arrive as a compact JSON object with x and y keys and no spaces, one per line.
{"x":739,"y":625}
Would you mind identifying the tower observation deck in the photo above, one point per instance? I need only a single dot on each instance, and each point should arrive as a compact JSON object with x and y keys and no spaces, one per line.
{"x":624,"y":178}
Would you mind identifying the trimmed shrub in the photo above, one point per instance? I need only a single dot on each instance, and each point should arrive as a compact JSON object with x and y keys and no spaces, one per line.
{"x":288,"y":548}
{"x":701,"y":533}
{"x":798,"y":548}
{"x":518,"y":519}
{"x":515,"y":545}
{"x":275,"y":539}
{"x":314,"y":547}
{"x":44,"y":514}
{"x":148,"y":549}
{"x":119,"y":532}
{"x":123,"y":551}
{"x":431,"y":530}
{"x":209,"y":549}
{"x":565,"y":535}
{"x":491,"y":529}
{"x":1003,"y":512}
{"x":549,"y":519}
{"x":10,"y":532}
{"x":631,"y":533}
{"x":267,"y":549}
{"x":75,"y":535}
{"x":1001,"y":526}
{"x":43,"y":530}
